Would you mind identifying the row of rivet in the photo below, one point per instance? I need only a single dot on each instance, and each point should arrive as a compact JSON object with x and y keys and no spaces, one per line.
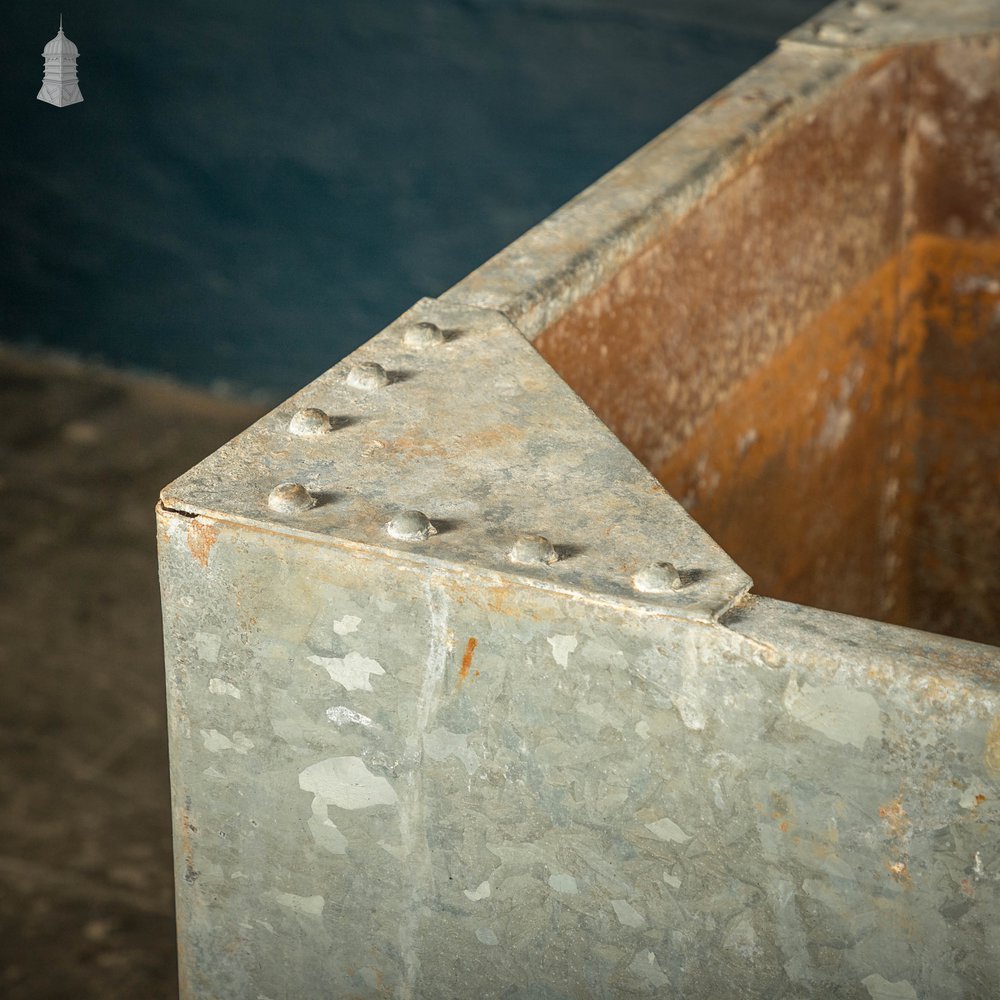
{"x":527,"y":550}
{"x":367,"y":376}
{"x":414,"y":525}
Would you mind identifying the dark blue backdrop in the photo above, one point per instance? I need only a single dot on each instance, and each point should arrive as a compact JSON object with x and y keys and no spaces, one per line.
{"x":251,"y":189}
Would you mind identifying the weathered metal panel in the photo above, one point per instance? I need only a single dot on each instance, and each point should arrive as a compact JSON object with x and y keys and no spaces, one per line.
{"x":393,"y":782}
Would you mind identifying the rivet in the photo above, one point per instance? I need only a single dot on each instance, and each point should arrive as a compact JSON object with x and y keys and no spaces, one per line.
{"x":310,"y":422}
{"x":290,"y":498}
{"x":421,"y":336}
{"x":411,"y":526}
{"x":867,"y":8}
{"x":368,"y":375}
{"x":533,"y":550}
{"x":657,"y":578}
{"x":827,"y":31}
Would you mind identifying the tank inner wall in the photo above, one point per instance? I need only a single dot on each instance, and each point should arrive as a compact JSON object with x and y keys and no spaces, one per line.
{"x":810,"y":358}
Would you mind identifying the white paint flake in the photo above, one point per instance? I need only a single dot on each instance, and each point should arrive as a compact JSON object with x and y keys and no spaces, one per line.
{"x":218,"y":686}
{"x":346,"y":625}
{"x":486,"y":935}
{"x":351,"y":672}
{"x":642,"y":729}
{"x":564,"y":883}
{"x":667,"y":829}
{"x":627,"y":914}
{"x":481,"y":892}
{"x":440,"y":744}
{"x":881,"y":989}
{"x":311,"y":905}
{"x":562,"y":646}
{"x":347,"y":783}
{"x":645,"y":967}
{"x":215,"y":741}
{"x":207,"y":644}
{"x":672,"y":880}
{"x":840,"y":713}
{"x":972,"y":797}
{"x":341,"y":714}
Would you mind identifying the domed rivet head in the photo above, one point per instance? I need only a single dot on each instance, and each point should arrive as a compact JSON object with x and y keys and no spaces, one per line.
{"x":310,"y":422}
{"x":411,"y":526}
{"x":368,"y":376}
{"x":533,"y":550}
{"x":421,"y":336}
{"x":827,"y":31}
{"x":290,"y":498}
{"x":657,"y":578}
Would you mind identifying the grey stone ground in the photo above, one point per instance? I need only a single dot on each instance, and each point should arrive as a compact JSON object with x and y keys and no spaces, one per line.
{"x":86,"y":900}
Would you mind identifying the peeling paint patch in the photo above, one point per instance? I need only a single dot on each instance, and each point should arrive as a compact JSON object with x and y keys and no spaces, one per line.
{"x":881,"y":989}
{"x":347,"y":783}
{"x":667,"y":829}
{"x":839,"y":713}
{"x":973,"y":797}
{"x":398,"y":851}
{"x":486,"y":936}
{"x":341,"y":714}
{"x":563,"y":883}
{"x":351,"y":672}
{"x":207,"y":644}
{"x":218,"y":686}
{"x":215,"y":741}
{"x":645,"y":967}
{"x":627,"y":914}
{"x":562,"y":646}
{"x":311,"y":905}
{"x":481,"y":892}
{"x":346,"y":625}
{"x":440,"y":744}
{"x":741,"y":937}
{"x":324,"y":831}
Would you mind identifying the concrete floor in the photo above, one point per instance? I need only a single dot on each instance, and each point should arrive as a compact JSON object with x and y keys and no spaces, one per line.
{"x":86,"y":899}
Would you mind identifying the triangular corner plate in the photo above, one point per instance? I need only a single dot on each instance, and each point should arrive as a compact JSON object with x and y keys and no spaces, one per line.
{"x":483,"y":436}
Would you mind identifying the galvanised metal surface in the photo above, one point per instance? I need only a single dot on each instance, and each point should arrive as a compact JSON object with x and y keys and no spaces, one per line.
{"x":464,"y":704}
{"x":393,"y":780}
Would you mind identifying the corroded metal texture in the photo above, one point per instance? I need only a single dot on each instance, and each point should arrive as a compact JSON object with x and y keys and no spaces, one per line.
{"x":402,"y":782}
{"x":780,"y":356}
{"x":725,"y":356}
{"x":464,"y":704}
{"x":952,"y":311}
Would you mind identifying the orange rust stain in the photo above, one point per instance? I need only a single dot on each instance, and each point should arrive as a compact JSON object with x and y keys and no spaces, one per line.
{"x":783,"y":826}
{"x":900,"y":872}
{"x":980,"y":799}
{"x":470,"y":648}
{"x":967,"y":888}
{"x":201,"y":536}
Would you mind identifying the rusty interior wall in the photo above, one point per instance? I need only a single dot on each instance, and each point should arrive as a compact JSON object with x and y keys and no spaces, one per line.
{"x":952,"y":310}
{"x":772,"y":358}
